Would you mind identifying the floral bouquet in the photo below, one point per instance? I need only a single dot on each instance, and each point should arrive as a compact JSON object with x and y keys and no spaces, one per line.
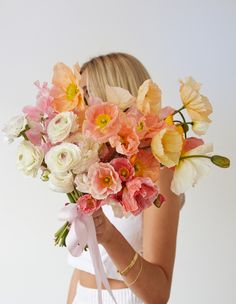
{"x":110,"y":151}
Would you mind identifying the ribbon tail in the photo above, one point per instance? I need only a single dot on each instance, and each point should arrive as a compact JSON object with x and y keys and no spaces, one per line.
{"x":96,"y":257}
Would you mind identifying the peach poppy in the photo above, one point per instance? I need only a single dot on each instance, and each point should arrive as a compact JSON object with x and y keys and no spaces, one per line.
{"x":101,"y":121}
{"x":197,"y":105}
{"x":67,"y":93}
{"x":166,"y":146}
{"x":126,"y":141}
{"x":146,"y":165}
{"x":149,"y":98}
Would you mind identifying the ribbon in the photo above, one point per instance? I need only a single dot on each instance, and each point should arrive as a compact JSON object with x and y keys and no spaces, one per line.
{"x":82,"y":232}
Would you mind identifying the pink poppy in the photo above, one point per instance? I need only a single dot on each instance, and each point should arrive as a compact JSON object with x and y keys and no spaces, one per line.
{"x":139,"y":194}
{"x":124,"y":168}
{"x":88,"y":204}
{"x":101,"y":121}
{"x":104,"y":180}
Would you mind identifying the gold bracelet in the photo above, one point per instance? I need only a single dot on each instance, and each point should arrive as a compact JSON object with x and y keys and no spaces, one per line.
{"x":124,"y":272}
{"x":141,"y":268}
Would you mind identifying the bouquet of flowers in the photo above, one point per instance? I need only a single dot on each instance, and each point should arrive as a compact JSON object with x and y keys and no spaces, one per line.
{"x":110,"y":151}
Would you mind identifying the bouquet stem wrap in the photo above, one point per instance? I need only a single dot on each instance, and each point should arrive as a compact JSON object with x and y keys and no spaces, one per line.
{"x":82,"y":232}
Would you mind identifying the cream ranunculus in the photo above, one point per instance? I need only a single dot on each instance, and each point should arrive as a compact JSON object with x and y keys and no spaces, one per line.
{"x":29,"y":158}
{"x":89,"y":152}
{"x":190,"y":170}
{"x":62,"y":183}
{"x":61,"y":126}
{"x":166,"y":146}
{"x":62,"y":158}
{"x":83,"y":183}
{"x":149,"y":98}
{"x":197,"y":105}
{"x":14,"y":126}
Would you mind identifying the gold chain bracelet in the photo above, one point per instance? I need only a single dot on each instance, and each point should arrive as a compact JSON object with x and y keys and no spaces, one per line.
{"x":141,"y":268}
{"x":125,"y":271}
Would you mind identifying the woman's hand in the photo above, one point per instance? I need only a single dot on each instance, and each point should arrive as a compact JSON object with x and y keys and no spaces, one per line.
{"x":104,"y":228}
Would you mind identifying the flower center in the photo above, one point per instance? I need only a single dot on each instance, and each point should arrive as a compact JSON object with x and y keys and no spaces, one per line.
{"x":102,"y":120}
{"x":71,"y":91}
{"x":107,"y":181}
{"x":140,"y":126}
{"x":124,"y":172}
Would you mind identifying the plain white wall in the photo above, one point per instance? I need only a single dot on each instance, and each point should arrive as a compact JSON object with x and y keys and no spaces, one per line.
{"x":173,"y":39}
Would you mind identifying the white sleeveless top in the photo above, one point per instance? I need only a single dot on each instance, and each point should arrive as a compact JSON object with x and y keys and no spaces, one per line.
{"x":130,"y":227}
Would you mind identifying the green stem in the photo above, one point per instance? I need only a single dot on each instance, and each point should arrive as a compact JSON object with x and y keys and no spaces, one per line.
{"x":184,"y":123}
{"x":179,"y":110}
{"x":71,"y":198}
{"x":190,"y":156}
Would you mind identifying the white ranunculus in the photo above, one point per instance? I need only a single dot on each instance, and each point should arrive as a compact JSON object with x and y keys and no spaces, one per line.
{"x":62,"y":183}
{"x":200,"y":127}
{"x":61,"y":126}
{"x":29,"y":158}
{"x":82,"y":182}
{"x":89,"y":153}
{"x":14,"y":126}
{"x":190,"y":170}
{"x":62,"y":158}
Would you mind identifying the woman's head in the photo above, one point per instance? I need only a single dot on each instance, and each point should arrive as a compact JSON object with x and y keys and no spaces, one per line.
{"x":115,"y":69}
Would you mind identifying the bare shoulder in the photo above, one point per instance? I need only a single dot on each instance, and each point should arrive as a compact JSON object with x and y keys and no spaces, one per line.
{"x":160,"y":227}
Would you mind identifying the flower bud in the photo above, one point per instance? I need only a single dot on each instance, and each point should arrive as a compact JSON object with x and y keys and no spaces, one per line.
{"x":220,"y":161}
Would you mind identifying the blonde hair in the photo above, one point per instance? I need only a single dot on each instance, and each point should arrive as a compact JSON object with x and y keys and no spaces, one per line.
{"x":115,"y":69}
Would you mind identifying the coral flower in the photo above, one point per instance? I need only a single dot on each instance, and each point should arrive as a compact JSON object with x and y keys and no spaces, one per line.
{"x":104,"y":180}
{"x":139,"y":194}
{"x":146,"y":165}
{"x":88,"y":204}
{"x":197,"y":105}
{"x":166,"y":146}
{"x":191,"y":169}
{"x":66,"y":90}
{"x":149,"y":98}
{"x":126,"y":141}
{"x":101,"y":121}
{"x":124,"y":168}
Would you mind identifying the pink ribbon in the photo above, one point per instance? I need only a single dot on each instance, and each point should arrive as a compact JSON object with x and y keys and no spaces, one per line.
{"x":82,"y":232}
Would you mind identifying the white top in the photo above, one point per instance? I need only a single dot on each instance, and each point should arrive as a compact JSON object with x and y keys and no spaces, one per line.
{"x":130,"y":227}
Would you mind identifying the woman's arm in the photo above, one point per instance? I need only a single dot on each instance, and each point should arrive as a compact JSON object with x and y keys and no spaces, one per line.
{"x":159,"y":243}
{"x":73,"y":284}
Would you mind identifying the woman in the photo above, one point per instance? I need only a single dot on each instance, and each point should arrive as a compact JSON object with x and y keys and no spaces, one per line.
{"x":152,"y":234}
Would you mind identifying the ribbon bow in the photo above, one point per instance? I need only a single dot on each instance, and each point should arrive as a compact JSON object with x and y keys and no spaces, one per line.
{"x":82,"y":232}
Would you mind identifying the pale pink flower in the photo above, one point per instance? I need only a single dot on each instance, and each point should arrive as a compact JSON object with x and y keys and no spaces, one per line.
{"x":104,"y":180}
{"x":124,"y":168}
{"x":139,"y":194}
{"x":126,"y":141}
{"x":88,"y":204}
{"x":119,"y":96}
{"x":101,"y":121}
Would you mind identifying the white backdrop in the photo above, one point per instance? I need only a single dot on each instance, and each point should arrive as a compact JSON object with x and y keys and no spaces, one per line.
{"x":173,"y":39}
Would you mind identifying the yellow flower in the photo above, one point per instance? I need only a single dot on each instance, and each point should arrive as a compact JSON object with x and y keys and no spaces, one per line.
{"x":166,"y":146}
{"x":197,"y":105}
{"x":149,"y":98}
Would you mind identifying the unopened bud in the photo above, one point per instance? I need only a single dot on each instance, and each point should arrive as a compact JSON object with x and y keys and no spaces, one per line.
{"x":220,"y":161}
{"x":45,"y":176}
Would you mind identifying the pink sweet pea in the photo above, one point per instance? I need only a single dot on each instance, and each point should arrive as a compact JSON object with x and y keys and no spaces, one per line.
{"x":104,"y":180}
{"x":88,"y":204}
{"x":139,"y":194}
{"x":124,"y":168}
